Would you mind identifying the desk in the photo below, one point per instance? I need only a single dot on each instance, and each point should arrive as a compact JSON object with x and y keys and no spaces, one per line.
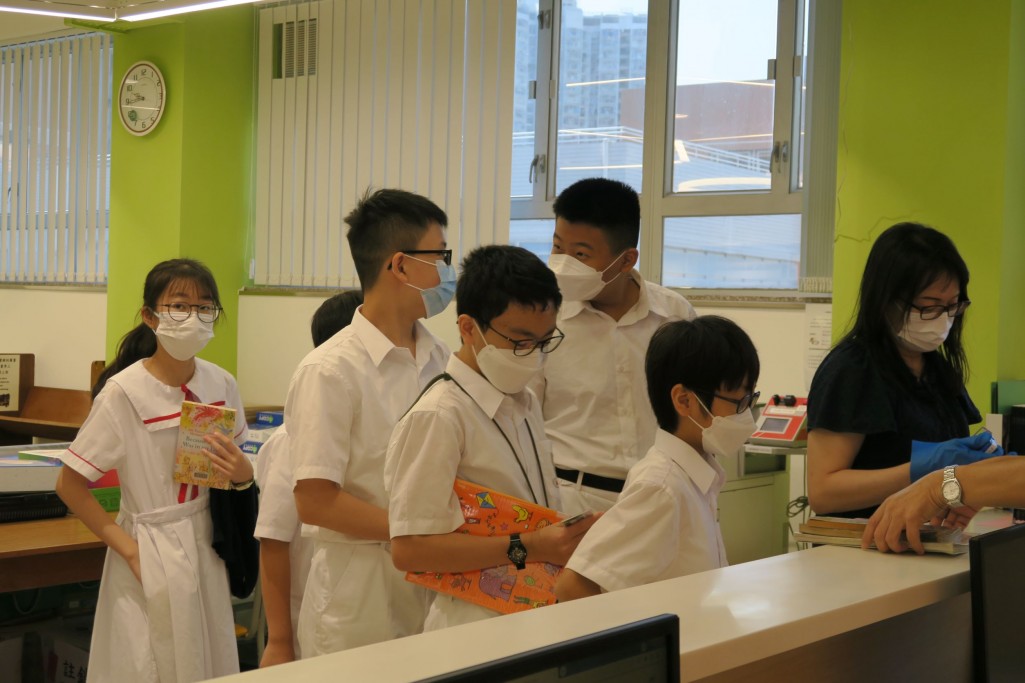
{"x":49,"y":552}
{"x":829,"y":613}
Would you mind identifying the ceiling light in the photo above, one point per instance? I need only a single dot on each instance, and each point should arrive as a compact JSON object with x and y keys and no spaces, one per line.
{"x":179,"y":8}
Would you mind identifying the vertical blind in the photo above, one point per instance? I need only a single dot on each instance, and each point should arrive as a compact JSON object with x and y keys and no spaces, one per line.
{"x":410,"y":94}
{"x":55,"y":104}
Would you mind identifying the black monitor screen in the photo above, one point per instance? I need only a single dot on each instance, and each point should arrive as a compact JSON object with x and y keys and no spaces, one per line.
{"x":647,"y":651}
{"x":998,"y":604}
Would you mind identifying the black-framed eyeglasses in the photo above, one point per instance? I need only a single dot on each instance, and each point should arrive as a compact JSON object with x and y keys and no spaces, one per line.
{"x":933,"y":312}
{"x":180,"y":311}
{"x":446,"y":254}
{"x":525,"y":347}
{"x":742,"y":403}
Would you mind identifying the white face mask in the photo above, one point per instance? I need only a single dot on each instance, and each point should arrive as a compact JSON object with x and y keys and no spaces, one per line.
{"x":506,"y":371}
{"x":726,"y":435}
{"x":183,"y":340}
{"x":924,"y":335}
{"x":578,"y":281}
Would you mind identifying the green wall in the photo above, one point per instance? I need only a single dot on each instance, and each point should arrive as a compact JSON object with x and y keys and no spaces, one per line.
{"x":174,"y":194}
{"x":930,"y":109}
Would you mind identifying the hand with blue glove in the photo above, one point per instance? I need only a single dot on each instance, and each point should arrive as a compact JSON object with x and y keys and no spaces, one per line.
{"x":928,"y":456}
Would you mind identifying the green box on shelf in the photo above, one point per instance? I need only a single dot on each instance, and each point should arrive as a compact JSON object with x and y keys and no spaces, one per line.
{"x":109,"y":497}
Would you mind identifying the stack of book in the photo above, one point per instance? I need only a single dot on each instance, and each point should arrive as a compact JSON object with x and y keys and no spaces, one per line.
{"x":848,"y":531}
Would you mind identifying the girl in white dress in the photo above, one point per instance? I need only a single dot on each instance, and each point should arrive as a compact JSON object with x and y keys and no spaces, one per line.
{"x":164,"y":612}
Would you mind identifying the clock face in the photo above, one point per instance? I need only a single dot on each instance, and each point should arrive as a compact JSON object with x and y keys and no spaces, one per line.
{"x":141,"y":98}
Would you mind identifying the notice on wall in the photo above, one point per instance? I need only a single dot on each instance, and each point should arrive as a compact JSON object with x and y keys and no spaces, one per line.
{"x":818,"y":335}
{"x":10,"y":378}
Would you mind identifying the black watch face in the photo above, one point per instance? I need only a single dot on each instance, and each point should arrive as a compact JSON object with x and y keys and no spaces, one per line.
{"x":518,"y":554}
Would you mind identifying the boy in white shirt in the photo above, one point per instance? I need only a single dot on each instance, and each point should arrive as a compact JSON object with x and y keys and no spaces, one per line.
{"x":701,"y":377}
{"x":284,"y":554}
{"x":480,"y":423}
{"x":343,"y":401}
{"x":595,"y":406}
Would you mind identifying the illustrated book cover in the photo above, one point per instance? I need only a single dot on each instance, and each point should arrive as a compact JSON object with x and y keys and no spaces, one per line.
{"x":503,"y":588}
{"x":191,"y":466}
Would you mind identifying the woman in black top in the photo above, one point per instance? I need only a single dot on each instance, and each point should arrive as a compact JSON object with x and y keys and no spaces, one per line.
{"x":897,"y":377}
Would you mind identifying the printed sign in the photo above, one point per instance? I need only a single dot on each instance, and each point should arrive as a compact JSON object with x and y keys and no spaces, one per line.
{"x":10,"y":378}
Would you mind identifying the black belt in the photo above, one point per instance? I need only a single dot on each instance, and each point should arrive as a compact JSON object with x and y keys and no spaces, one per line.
{"x":591,"y":480}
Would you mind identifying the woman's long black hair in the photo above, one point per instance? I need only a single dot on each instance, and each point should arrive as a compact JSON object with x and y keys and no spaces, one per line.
{"x":905,"y":260}
{"x":141,"y":342}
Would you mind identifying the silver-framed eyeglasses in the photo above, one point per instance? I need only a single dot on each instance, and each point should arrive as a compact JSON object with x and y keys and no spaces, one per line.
{"x":933,"y":312}
{"x":525,"y":347}
{"x":180,"y":312}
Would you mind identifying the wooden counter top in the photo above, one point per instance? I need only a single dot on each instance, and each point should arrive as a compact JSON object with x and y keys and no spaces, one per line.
{"x":49,"y":552}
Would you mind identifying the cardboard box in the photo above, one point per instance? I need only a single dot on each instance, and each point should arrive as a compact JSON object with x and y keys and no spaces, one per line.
{"x":68,"y":664}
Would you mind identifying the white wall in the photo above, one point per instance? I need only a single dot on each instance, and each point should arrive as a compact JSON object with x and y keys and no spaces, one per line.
{"x":274,"y":335}
{"x":66,"y":330}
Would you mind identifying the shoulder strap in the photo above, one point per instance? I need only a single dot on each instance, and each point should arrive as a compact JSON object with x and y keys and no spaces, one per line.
{"x":442,"y":377}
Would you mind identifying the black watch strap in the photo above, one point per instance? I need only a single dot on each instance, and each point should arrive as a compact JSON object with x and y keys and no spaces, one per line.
{"x":517,"y":552}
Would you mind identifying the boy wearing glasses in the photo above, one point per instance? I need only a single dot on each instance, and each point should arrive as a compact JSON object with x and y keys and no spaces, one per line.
{"x":595,"y":407}
{"x":343,"y":401}
{"x":480,"y":423}
{"x":701,"y":377}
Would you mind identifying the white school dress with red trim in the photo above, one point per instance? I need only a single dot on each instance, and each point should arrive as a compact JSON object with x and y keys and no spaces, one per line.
{"x":139,"y":634}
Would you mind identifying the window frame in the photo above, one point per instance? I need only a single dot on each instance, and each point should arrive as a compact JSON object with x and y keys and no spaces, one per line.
{"x":659,"y":104}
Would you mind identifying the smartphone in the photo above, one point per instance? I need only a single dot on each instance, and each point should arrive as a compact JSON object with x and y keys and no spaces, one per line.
{"x":576,"y":518}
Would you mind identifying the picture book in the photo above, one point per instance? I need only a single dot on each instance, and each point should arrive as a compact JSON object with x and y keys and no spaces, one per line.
{"x":503,"y":588}
{"x":848,"y":531}
{"x":191,"y":466}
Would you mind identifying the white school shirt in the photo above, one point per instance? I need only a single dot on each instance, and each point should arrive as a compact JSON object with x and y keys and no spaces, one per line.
{"x":449,"y":434}
{"x":142,"y":632}
{"x":596,"y":406}
{"x":663,"y":525}
{"x":344,"y":400}
{"x":279,"y":519}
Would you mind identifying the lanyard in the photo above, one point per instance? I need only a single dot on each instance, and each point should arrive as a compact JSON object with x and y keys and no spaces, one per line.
{"x":516,"y":456}
{"x":518,"y":462}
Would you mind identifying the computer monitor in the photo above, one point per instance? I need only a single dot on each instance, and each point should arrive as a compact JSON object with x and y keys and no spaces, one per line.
{"x":998,"y":604}
{"x":647,"y":651}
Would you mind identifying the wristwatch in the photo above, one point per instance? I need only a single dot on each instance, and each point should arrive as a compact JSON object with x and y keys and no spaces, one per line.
{"x":517,"y":552}
{"x":950,"y":489}
{"x":243,"y":485}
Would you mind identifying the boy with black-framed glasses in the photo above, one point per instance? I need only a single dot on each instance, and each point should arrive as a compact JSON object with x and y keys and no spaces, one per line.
{"x":701,"y":377}
{"x":343,"y":401}
{"x":479,"y":422}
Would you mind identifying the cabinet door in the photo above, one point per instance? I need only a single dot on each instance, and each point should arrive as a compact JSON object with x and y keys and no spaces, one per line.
{"x":749,"y":522}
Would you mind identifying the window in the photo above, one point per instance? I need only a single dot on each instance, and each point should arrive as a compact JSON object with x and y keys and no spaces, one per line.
{"x":55,"y":121}
{"x":593,"y":124}
{"x":721,"y":85}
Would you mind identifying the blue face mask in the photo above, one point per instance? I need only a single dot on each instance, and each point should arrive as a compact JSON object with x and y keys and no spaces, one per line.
{"x":437,"y":298}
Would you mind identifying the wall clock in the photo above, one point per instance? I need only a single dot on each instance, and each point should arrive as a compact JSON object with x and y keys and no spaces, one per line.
{"x":141,"y":98}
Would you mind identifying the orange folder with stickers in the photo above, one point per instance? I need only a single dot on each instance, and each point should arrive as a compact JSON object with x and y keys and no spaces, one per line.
{"x":503,"y":588}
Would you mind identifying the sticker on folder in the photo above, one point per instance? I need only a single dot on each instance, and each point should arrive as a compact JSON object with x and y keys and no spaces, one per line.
{"x":502,"y":588}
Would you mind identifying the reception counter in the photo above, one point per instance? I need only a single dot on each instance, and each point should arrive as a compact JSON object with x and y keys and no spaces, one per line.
{"x":829,"y":613}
